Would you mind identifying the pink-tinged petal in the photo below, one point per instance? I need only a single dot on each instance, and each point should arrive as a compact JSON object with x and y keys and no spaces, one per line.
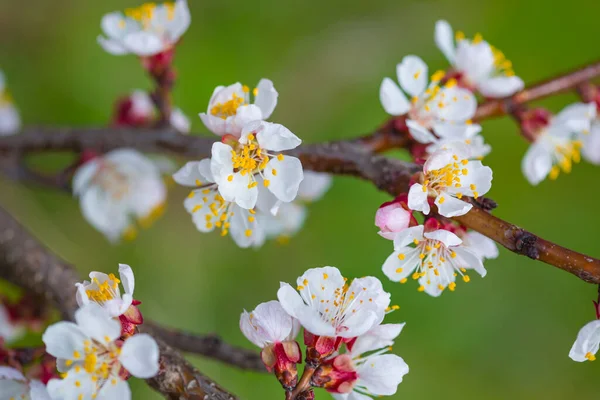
{"x":417,"y":198}
{"x":392,"y":99}
{"x":413,"y":75}
{"x":444,"y":39}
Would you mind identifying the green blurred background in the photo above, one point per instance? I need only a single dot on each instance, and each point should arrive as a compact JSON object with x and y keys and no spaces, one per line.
{"x":505,"y":336}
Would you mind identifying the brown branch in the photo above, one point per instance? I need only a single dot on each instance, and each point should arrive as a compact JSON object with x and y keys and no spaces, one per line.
{"x":303,"y":384}
{"x":28,"y":264}
{"x":537,"y":91}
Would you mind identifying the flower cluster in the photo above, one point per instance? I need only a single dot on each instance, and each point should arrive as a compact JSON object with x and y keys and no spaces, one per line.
{"x":248,"y":187}
{"x":101,"y":350}
{"x":14,"y":385}
{"x":10,"y":120}
{"x":335,"y":316}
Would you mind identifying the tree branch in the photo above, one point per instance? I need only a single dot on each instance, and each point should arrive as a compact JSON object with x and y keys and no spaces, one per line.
{"x":343,"y":157}
{"x":28,"y":264}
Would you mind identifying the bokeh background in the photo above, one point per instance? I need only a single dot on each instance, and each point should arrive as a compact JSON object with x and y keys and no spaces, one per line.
{"x":505,"y":336}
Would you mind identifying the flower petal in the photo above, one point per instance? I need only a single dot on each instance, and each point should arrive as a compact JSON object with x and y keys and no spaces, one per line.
{"x":115,"y":389}
{"x":95,"y":322}
{"x":417,"y":198}
{"x":537,"y":163}
{"x":63,"y":339}
{"x":587,"y":341}
{"x":284,"y":183}
{"x":413,"y":75}
{"x":266,"y":98}
{"x":392,"y":99}
{"x":469,"y":260}
{"x":382,"y":374}
{"x":444,"y":39}
{"x":451,"y":206}
{"x":139,"y":356}
{"x":275,"y":137}
{"x":408,"y":236}
{"x":500,"y":86}
{"x":396,"y":269}
{"x":446,"y":237}
{"x":111,"y":46}
{"x":420,"y":133}
{"x":143,"y":43}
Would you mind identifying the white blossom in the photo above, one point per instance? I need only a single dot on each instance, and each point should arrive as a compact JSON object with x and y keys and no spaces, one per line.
{"x":237,"y":167}
{"x":14,"y":385}
{"x":268,"y":324}
{"x":481,"y":245}
{"x":230,"y":107}
{"x":377,"y":374}
{"x":587,"y":342}
{"x":557,"y":146}
{"x":327,"y":306}
{"x":444,"y":110}
{"x":10,"y":120}
{"x":117,"y":190}
{"x":480,"y":65}
{"x":435,"y":258}
{"x":448,"y":178}
{"x":210,"y":211}
{"x":392,"y":218}
{"x":91,"y":360}
{"x":590,"y":149}
{"x":104,"y":290}
{"x":146,"y":30}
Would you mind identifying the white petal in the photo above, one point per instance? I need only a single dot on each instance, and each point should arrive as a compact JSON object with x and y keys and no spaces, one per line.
{"x":417,"y":198}
{"x":276,"y":137}
{"x":475,"y":60}
{"x":219,"y":126}
{"x":392,"y":99}
{"x":127,"y":278}
{"x":576,"y":117}
{"x":245,"y":115}
{"x":8,"y":373}
{"x":114,"y":389}
{"x":243,"y":232}
{"x":38,"y":391}
{"x":314,"y":185}
{"x":438,"y":160}
{"x":139,"y":356}
{"x":407,"y":236}
{"x":500,"y":86}
{"x":444,"y":39}
{"x":446,"y":237}
{"x":396,"y":269}
{"x":376,"y":338}
{"x":96,"y":323}
{"x":587,"y":341}
{"x":284,"y":185}
{"x":268,"y":323}
{"x":469,"y":260}
{"x":63,"y":339}
{"x":537,"y":163}
{"x":143,"y":43}
{"x":481,"y":245}
{"x":180,"y":121}
{"x":266,"y":98}
{"x":309,"y":318}
{"x":181,"y":20}
{"x":591,"y":144}
{"x":194,"y":172}
{"x":113,"y":47}
{"x":114,"y":24}
{"x":382,"y":374}
{"x":221,"y":163}
{"x":459,"y":104}
{"x":456,"y":131}
{"x":413,"y":75}
{"x":76,"y":386}
{"x":83,"y":176}
{"x":13,"y":390}
{"x":237,"y":190}
{"x":420,"y":133}
{"x":451,"y":206}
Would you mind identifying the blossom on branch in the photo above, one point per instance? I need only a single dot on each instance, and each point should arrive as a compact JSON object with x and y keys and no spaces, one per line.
{"x":445,"y":110}
{"x":94,"y":361}
{"x":332,"y":310}
{"x":10,"y":120}
{"x":366,"y":370}
{"x":448,"y":177}
{"x":476,"y":64}
{"x":393,"y":217}
{"x":557,"y":142}
{"x":138,"y":110}
{"x":118,"y":191}
{"x":146,"y":30}
{"x":210,"y":211}
{"x":434,"y":257}
{"x":274,"y":331}
{"x":587,"y":342}
{"x":15,"y":386}
{"x":230,"y":108}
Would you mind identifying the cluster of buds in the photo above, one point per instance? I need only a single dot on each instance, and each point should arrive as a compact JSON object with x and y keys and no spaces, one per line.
{"x":346,"y":342}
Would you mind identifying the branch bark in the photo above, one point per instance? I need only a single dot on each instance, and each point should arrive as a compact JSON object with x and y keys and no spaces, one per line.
{"x":28,"y":264}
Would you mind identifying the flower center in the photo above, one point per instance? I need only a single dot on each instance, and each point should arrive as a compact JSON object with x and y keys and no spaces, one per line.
{"x":107,"y":290}
{"x":112,"y":181}
{"x":565,"y":154}
{"x":438,"y":180}
{"x":433,"y":99}
{"x":250,"y":159}
{"x":145,"y":13}
{"x":230,"y":107}
{"x":99,"y":360}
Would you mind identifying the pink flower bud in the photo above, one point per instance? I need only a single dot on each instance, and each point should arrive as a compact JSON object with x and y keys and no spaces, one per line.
{"x":282,"y":358}
{"x":391,"y":218}
{"x":337,"y":375}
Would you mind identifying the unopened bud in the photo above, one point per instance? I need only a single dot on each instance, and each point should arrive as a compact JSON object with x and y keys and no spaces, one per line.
{"x":281,"y":358}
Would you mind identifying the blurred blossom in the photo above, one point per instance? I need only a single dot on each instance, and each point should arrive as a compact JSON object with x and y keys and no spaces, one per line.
{"x":14,"y":385}
{"x":230,"y":109}
{"x":94,"y":362}
{"x":445,"y":110}
{"x":476,"y":64}
{"x":10,"y":120}
{"x":556,"y":144}
{"x":434,"y":257}
{"x":118,"y":191}
{"x":448,"y":178}
{"x":146,"y":30}
{"x":10,"y":330}
{"x":138,"y":110}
